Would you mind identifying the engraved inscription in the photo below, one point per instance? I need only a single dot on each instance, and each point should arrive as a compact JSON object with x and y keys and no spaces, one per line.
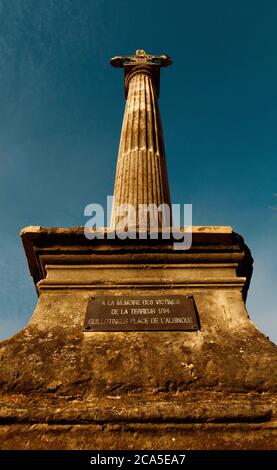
{"x":141,"y":313}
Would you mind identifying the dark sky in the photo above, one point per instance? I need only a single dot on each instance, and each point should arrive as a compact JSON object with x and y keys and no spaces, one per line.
{"x":61,"y":108}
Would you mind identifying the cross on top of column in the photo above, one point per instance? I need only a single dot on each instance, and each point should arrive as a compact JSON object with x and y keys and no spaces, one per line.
{"x":142,"y":62}
{"x":141,"y":57}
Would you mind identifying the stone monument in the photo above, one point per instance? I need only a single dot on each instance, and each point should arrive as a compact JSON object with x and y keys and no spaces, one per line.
{"x":135,"y":344}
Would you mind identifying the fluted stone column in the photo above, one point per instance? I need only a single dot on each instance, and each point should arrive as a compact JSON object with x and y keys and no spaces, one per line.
{"x":141,"y":175}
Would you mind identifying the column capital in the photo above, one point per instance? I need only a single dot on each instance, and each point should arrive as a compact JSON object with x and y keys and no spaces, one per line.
{"x":141,"y":63}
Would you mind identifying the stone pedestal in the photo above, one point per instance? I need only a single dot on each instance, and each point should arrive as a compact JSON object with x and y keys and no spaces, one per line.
{"x":61,"y":388}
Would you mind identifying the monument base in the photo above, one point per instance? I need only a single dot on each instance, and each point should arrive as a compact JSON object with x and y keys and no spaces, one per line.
{"x":63,"y":388}
{"x":186,"y":420}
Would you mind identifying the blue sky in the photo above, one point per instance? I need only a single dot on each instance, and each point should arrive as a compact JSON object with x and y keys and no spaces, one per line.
{"x":61,"y":108}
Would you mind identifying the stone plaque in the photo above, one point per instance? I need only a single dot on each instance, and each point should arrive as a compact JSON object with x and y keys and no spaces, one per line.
{"x":141,"y":313}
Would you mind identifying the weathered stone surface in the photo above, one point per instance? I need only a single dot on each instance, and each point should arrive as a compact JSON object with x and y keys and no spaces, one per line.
{"x":186,"y":421}
{"x":61,"y":358}
{"x":213,"y":388}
